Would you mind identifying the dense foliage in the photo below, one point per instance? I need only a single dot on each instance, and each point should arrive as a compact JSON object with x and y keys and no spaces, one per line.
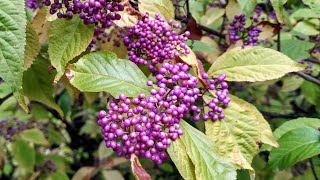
{"x":160,"y":89}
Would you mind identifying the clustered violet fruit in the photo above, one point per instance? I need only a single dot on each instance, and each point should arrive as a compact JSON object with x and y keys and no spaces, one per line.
{"x":237,"y":31}
{"x":34,"y":4}
{"x":146,"y":125}
{"x":150,"y":42}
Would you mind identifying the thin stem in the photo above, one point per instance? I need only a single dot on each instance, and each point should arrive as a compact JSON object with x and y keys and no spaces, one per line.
{"x":279,"y":42}
{"x":308,"y":77}
{"x":313,"y":170}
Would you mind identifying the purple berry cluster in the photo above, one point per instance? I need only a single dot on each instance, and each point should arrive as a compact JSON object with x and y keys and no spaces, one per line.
{"x":101,"y":13}
{"x":34,"y":4}
{"x":150,"y":42}
{"x":146,"y":126}
{"x":237,"y":31}
{"x":220,"y":87}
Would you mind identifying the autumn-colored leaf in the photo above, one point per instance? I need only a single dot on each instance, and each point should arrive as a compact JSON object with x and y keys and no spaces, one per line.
{"x":137,"y":170}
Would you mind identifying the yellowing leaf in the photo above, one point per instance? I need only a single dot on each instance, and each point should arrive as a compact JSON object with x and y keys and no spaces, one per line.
{"x":32,"y":47}
{"x":162,"y":7}
{"x":178,"y":154}
{"x":232,"y":9}
{"x":203,"y":153}
{"x":253,"y":64}
{"x":237,"y":136}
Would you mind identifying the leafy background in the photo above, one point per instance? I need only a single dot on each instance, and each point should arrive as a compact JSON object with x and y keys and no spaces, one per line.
{"x":271,"y":129}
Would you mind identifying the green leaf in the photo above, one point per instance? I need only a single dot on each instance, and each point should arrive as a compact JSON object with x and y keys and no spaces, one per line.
{"x":305,"y":28}
{"x":103,"y":71}
{"x":24,"y":154}
{"x":296,"y":49}
{"x":5,"y":90}
{"x":295,"y":146}
{"x":35,"y":136}
{"x":112,"y":175}
{"x":164,"y":8}
{"x":291,"y":83}
{"x":311,"y":123}
{"x":237,"y":136}
{"x":304,"y":13}
{"x":32,"y":47}
{"x":37,"y":84}
{"x":208,"y":165}
{"x":58,"y":175}
{"x":12,"y":41}
{"x":178,"y":154}
{"x":54,"y":137}
{"x":253,"y":64}
{"x":278,"y":6}
{"x":104,"y":152}
{"x":314,"y":5}
{"x":67,"y":39}
{"x":311,"y":92}
{"x":247,"y":6}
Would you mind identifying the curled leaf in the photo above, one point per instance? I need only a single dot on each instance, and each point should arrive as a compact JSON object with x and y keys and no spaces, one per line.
{"x":137,"y":170}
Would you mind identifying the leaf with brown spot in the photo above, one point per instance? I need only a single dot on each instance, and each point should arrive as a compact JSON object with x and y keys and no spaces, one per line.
{"x":192,"y":60}
{"x":268,"y":29}
{"x":40,"y":24}
{"x":129,"y":16}
{"x":137,"y":170}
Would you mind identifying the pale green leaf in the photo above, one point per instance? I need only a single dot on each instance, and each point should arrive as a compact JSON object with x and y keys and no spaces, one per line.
{"x":5,"y":90}
{"x":112,"y":175}
{"x":58,"y":175}
{"x":232,"y":9}
{"x":103,"y":71}
{"x":32,"y":47}
{"x":212,"y":15}
{"x":35,"y":136}
{"x":164,"y":8}
{"x":23,"y":154}
{"x":295,"y":146}
{"x":104,"y":152}
{"x":178,"y":154}
{"x":305,"y":28}
{"x":202,"y":152}
{"x":296,"y":49}
{"x":67,"y":39}
{"x":37,"y":84}
{"x":247,"y":6}
{"x":304,"y":13}
{"x":312,"y":123}
{"x":291,"y":83}
{"x":314,"y":5}
{"x":237,"y":136}
{"x":278,"y":6}
{"x":253,"y":64}
{"x":12,"y":44}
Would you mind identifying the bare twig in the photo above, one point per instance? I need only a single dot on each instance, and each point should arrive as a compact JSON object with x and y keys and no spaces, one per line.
{"x":308,"y":77}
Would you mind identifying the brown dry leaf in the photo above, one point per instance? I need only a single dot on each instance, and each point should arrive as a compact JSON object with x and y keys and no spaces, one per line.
{"x":129,"y":16}
{"x":268,"y":29}
{"x":195,"y":31}
{"x":137,"y":170}
{"x":192,"y":60}
{"x":40,"y":24}
{"x":84,"y":173}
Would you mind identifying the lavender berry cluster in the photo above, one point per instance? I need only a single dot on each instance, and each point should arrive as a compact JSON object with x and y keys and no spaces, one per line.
{"x":146,"y":126}
{"x":238,"y":31}
{"x":34,"y":4}
{"x":11,"y":127}
{"x":101,"y":13}
{"x":150,"y":42}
